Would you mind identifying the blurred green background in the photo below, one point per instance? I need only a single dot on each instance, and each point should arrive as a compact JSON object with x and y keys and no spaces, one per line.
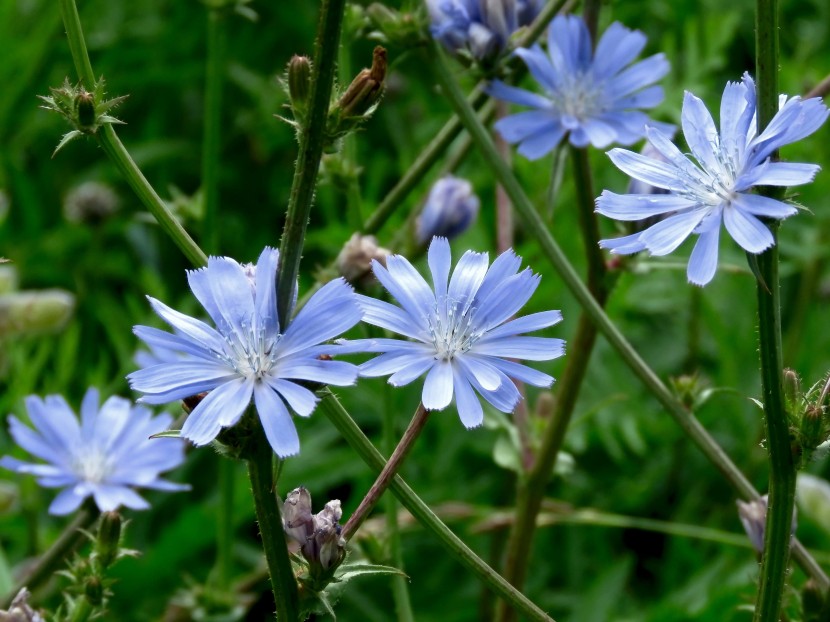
{"x":628,"y":456}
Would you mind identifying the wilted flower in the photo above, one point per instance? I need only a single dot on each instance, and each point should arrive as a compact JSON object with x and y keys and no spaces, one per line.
{"x":318,"y":534}
{"x":354,"y":262}
{"x":19,"y":610}
{"x":718,"y":187}
{"x":246,"y":356}
{"x":459,"y":330}
{"x":91,"y":201}
{"x":753,"y":515}
{"x":451,"y":207}
{"x":104,"y":457}
{"x":592,"y":97}
{"x":480,"y":27}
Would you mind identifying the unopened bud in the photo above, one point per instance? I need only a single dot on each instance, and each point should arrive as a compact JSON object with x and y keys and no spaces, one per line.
{"x":792,"y":390}
{"x":35,"y":312}
{"x":299,"y":83}
{"x":94,"y":590}
{"x":450,"y":209}
{"x":366,"y":89}
{"x":297,"y":519}
{"x":107,"y":544}
{"x":85,"y":109}
{"x":354,"y":263}
{"x":811,"y":430}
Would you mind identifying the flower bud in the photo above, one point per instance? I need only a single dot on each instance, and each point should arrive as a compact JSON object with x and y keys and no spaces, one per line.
{"x":812,"y":600}
{"x":35,"y":312}
{"x":297,"y":519}
{"x":19,"y":610}
{"x":107,"y":545}
{"x":354,"y":263}
{"x":450,"y":209}
{"x":85,"y":109}
{"x":811,"y":431}
{"x":318,"y":534}
{"x":366,"y":89}
{"x":792,"y":390}
{"x":299,"y":84}
{"x":94,"y":590}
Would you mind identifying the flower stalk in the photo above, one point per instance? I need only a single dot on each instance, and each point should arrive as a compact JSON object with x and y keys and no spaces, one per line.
{"x":536,"y":226}
{"x":353,"y":435}
{"x":782,"y":475}
{"x":312,"y":137}
{"x":116,"y":151}
{"x":390,"y":469}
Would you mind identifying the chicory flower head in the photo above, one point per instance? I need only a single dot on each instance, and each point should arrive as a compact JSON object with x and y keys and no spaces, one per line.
{"x":104,"y":457}
{"x":460,"y":330}
{"x":717,"y":188}
{"x":481,"y":27}
{"x":246,"y":356}
{"x":592,"y":97}
{"x":450,"y":208}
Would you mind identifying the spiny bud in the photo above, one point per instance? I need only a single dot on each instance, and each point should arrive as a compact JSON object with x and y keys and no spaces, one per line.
{"x":25,"y":313}
{"x":366,"y":89}
{"x":85,"y":107}
{"x":299,"y":84}
{"x":94,"y":590}
{"x":107,"y":545}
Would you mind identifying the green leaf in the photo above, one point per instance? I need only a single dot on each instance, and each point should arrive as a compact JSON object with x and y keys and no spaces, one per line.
{"x":168,"y":434}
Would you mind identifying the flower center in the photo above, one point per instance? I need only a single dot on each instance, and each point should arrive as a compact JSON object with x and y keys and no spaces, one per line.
{"x":250,"y":352}
{"x":578,"y":96}
{"x":451,"y":329}
{"x":92,"y":465}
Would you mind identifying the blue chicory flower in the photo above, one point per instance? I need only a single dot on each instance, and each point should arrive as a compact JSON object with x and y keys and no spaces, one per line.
{"x":450,"y":208}
{"x":590,"y":96}
{"x":459,"y":330}
{"x":246,"y":356}
{"x":104,"y":457}
{"x":481,"y":27}
{"x":718,"y":187}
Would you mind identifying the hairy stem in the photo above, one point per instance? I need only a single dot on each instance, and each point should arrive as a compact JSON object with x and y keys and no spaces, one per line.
{"x":353,"y":435}
{"x":777,"y":534}
{"x":270,"y":528}
{"x":116,"y":151}
{"x":312,"y":137}
{"x":536,"y":227}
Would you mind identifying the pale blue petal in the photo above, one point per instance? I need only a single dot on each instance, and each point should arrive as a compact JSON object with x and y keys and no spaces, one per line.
{"x":647,"y":98}
{"x":300,"y":399}
{"x":520,"y":372}
{"x":687,"y":173}
{"x":175,"y":381}
{"x":404,"y":291}
{"x":386,"y":364}
{"x":523,"y":125}
{"x":617,"y":47}
{"x":266,"y":291}
{"x":668,"y":234}
{"x":500,"y":90}
{"x":700,"y":132}
{"x":439,"y":258}
{"x":156,"y":338}
{"x":750,"y":233}
{"x":504,"y":398}
{"x":504,"y":266}
{"x":625,"y":245}
{"x":89,"y":408}
{"x":437,"y":393}
{"x":466,"y":402}
{"x":528,"y":348}
{"x":648,"y":170}
{"x":631,"y":207}
{"x":704,"y":259}
{"x":638,"y":76}
{"x":526,"y":324}
{"x":109,"y":498}
{"x":338,"y":373}
{"x":733,"y":106}
{"x":190,"y":327}
{"x":466,"y":278}
{"x":539,"y":66}
{"x":55,"y":421}
{"x":758,"y":205}
{"x":390,"y":317}
{"x":778,"y":174}
{"x":220,"y":408}
{"x":506,"y":299}
{"x":413,"y":370}
{"x":479,"y":368}
{"x":599,"y":133}
{"x":66,"y":502}
{"x":276,"y":421}
{"x":226,"y":293}
{"x":542,"y":143}
{"x":36,"y":444}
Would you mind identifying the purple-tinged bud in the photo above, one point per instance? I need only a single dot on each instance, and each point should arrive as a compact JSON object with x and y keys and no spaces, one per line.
{"x":753,"y":515}
{"x":299,"y":84}
{"x":297,"y":519}
{"x":318,"y":534}
{"x":450,"y":209}
{"x":354,"y":263}
{"x":19,"y":610}
{"x":107,"y":544}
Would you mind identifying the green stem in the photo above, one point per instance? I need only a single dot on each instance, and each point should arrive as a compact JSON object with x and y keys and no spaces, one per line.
{"x":400,"y":585}
{"x":54,"y":556}
{"x":332,"y":408}
{"x":312,"y":138}
{"x":390,"y":469}
{"x":109,"y":141}
{"x":535,"y":226}
{"x":82,"y":610}
{"x":214,"y":77}
{"x":270,"y":528}
{"x":532,"y":487}
{"x":777,"y":535}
